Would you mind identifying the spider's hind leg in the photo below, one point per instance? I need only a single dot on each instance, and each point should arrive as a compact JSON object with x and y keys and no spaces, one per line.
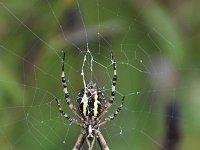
{"x":81,"y":139}
{"x":102,"y":143}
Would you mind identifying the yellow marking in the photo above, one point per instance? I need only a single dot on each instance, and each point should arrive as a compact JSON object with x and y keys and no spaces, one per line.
{"x":85,"y":103}
{"x":96,"y":102}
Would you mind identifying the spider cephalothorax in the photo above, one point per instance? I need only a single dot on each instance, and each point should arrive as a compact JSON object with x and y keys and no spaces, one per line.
{"x":90,"y":110}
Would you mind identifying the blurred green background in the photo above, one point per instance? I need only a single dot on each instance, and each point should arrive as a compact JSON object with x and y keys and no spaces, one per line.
{"x":156,"y":46}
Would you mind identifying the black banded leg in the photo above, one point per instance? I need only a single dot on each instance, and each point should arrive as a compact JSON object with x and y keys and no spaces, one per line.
{"x":114,"y":80}
{"x":66,"y":116}
{"x":113,"y":115}
{"x":67,"y":98}
{"x":101,"y":141}
{"x":64,"y":83}
{"x":79,"y":143}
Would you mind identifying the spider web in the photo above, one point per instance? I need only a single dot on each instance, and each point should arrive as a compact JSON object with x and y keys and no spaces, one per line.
{"x":149,"y":58}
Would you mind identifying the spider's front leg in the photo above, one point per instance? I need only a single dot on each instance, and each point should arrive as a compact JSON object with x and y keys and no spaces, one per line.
{"x":114,"y":81}
{"x":67,"y":98}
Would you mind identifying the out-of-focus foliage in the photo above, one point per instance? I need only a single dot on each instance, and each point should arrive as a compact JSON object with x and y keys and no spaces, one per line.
{"x":165,"y":35}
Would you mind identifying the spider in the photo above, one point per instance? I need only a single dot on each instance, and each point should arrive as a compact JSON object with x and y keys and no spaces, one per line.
{"x":91,"y":108}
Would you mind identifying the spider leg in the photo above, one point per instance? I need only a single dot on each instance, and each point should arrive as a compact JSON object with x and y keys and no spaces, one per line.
{"x":101,"y":141}
{"x":67,"y":98}
{"x":114,"y":81}
{"x":113,"y":115}
{"x":73,"y":120}
{"x":79,"y":143}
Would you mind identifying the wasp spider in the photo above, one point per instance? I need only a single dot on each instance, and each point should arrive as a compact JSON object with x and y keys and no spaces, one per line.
{"x":90,"y":110}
